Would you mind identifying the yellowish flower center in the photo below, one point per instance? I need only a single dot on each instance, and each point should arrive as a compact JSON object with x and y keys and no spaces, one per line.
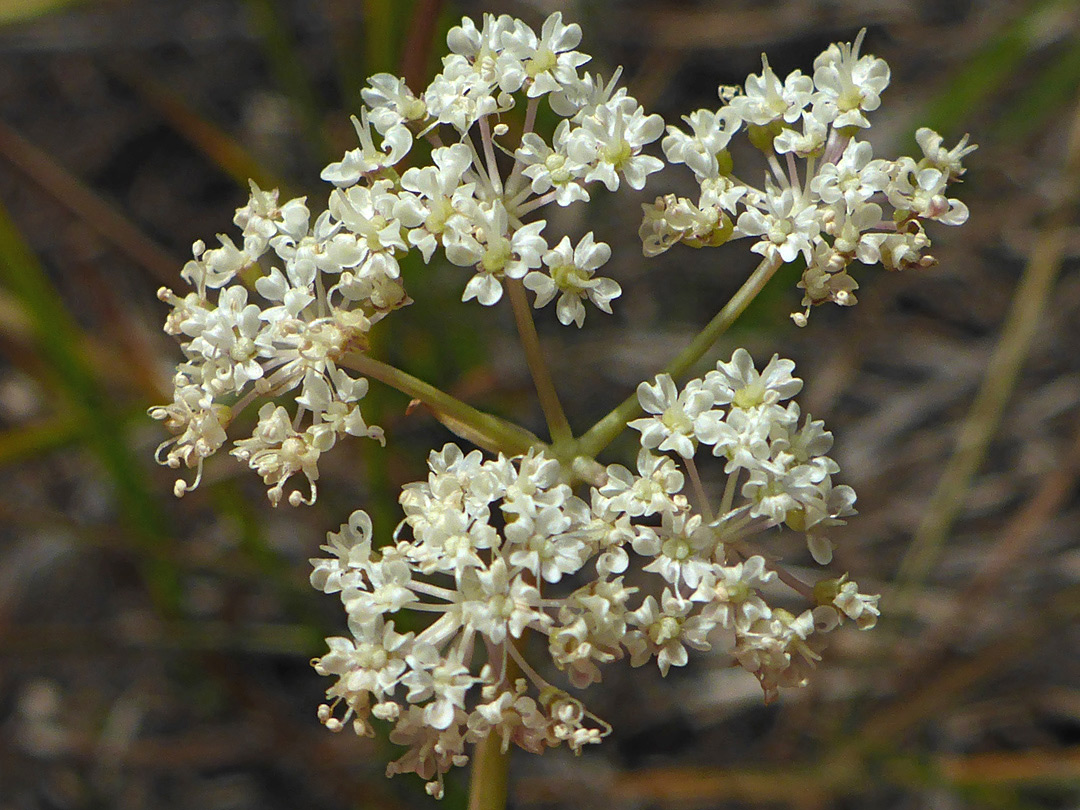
{"x":676,"y":548}
{"x":618,"y":154}
{"x":570,"y":278}
{"x":371,"y":657}
{"x":441,"y":211}
{"x":544,"y":60}
{"x":415,"y":110}
{"x":243,"y":349}
{"x":749,"y":397}
{"x":555,"y":164}
{"x":455,"y":544}
{"x":664,"y":630}
{"x":496,"y":256}
{"x":375,"y":224}
{"x":676,"y":420}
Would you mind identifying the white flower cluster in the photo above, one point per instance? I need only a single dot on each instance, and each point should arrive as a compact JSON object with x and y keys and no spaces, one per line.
{"x":466,"y":203}
{"x":491,"y":548}
{"x":334,"y":286}
{"x":601,"y":564}
{"x":831,"y":211}
{"x":320,"y":285}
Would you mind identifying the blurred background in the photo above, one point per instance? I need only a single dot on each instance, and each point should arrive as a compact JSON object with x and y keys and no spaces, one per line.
{"x":154,"y":653}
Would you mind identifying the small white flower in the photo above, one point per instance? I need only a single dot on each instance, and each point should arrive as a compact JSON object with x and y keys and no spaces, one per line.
{"x":780,"y":650}
{"x":445,"y":682}
{"x":277,"y":451}
{"x":367,"y":160}
{"x":610,"y":140}
{"x":504,"y":253}
{"x":901,"y":251}
{"x":391,"y":102}
{"x":732,"y":594}
{"x":737,"y":382}
{"x":198,"y":428}
{"x":552,"y":168}
{"x":461,"y":98}
{"x":671,"y":427}
{"x":572,"y":279}
{"x":710,"y":134}
{"x":478,"y":59}
{"x":860,"y":607}
{"x":578,"y":100}
{"x":441,"y":197}
{"x":263,"y":218}
{"x":681,"y":548}
{"x":849,"y":83}
{"x":855,"y":177}
{"x":787,"y":223}
{"x":216,"y":267}
{"x":431,"y":751}
{"x":372,"y":662}
{"x":809,"y":142}
{"x":850,"y":228}
{"x":664,"y":632}
{"x":948,"y":161}
{"x":369,"y":214}
{"x":767,"y":99}
{"x":550,"y":61}
{"x":496,"y":604}
{"x":351,"y":550}
{"x":650,"y":492}
{"x":922,"y":193}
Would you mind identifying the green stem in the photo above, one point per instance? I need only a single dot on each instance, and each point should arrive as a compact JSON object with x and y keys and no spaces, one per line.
{"x":729,"y":492}
{"x":483,"y":429}
{"x":604,"y":432}
{"x":545,"y":387}
{"x":699,"y":489}
{"x":489,"y":780}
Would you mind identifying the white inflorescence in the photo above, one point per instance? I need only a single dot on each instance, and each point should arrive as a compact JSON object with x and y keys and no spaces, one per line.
{"x":277,"y":312}
{"x":824,"y":194}
{"x":492,"y":547}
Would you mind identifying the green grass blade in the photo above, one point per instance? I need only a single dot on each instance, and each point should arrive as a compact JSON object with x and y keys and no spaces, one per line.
{"x":57,"y":338}
{"x":989,"y":68}
{"x":29,"y":441}
{"x":16,"y":11}
{"x":1045,"y":96}
{"x":218,"y":146}
{"x":380,"y":35}
{"x":289,"y":71}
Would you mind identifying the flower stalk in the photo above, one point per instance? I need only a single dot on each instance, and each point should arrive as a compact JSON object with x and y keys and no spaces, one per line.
{"x":489,"y":778}
{"x":604,"y":432}
{"x":545,"y":386}
{"x":483,"y":429}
